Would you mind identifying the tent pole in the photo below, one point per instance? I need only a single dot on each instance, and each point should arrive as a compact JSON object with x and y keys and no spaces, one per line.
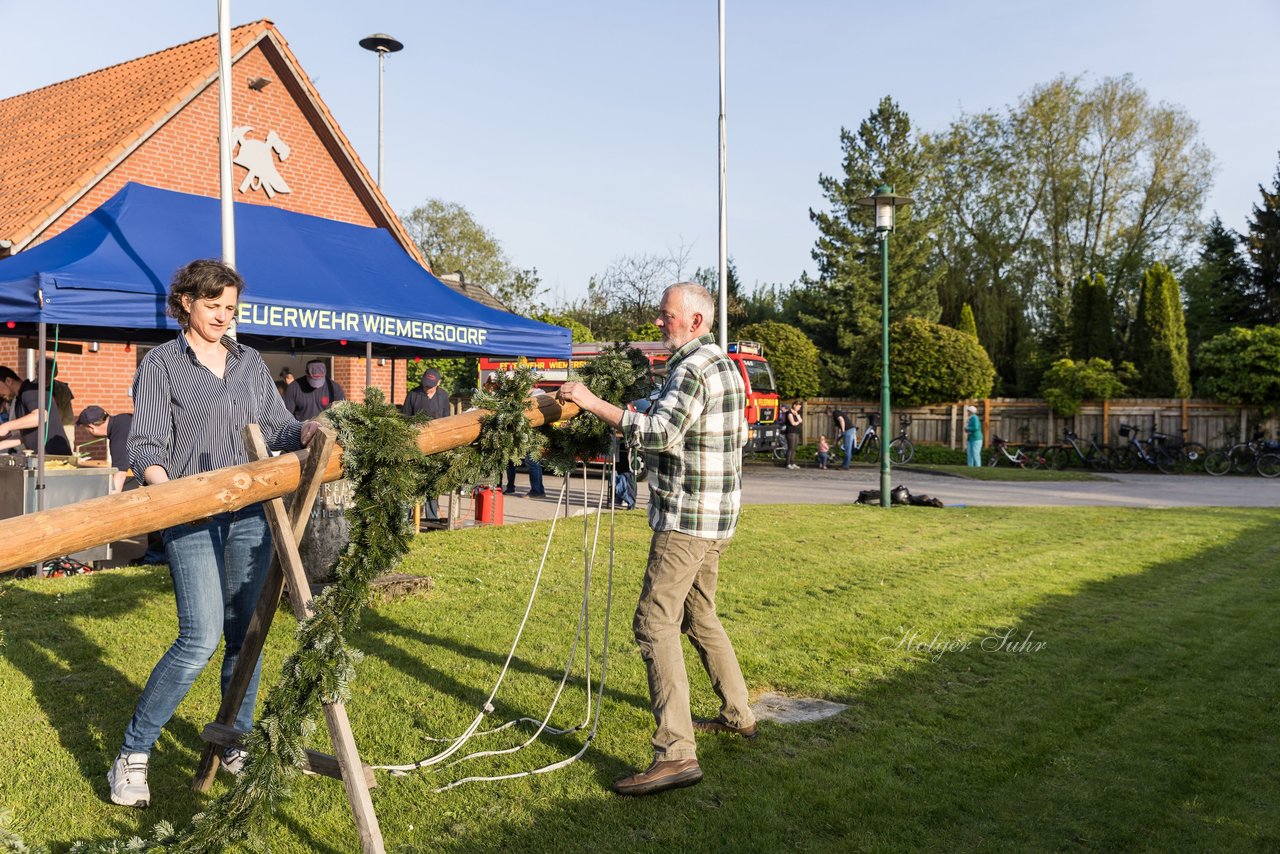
{"x":368,"y":365}
{"x":42,"y":415}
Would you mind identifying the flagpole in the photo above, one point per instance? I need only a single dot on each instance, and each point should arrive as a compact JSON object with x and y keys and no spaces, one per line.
{"x":724,"y":216}
{"x":224,"y":135}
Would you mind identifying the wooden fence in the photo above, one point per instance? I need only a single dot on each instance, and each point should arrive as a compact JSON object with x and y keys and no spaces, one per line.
{"x":1028,"y":420}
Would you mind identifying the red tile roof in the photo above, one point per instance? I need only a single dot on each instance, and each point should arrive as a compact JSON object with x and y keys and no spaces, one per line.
{"x":61,"y":139}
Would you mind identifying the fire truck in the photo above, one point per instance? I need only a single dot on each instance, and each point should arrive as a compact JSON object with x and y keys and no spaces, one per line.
{"x":764,"y":431}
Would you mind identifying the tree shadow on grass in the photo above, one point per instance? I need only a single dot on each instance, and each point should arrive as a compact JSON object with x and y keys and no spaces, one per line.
{"x":1144,"y":721}
{"x":87,"y":700}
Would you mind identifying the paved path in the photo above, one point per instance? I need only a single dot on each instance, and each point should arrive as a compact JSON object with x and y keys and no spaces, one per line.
{"x":765,"y":484}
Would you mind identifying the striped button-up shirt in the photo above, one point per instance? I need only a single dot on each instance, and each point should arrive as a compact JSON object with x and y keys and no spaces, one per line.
{"x":188,"y":420}
{"x":693,"y":436}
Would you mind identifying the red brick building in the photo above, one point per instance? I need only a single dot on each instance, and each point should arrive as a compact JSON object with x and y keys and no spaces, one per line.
{"x":70,"y":146}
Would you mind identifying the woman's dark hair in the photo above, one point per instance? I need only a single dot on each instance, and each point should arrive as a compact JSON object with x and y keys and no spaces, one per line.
{"x":203,"y":279}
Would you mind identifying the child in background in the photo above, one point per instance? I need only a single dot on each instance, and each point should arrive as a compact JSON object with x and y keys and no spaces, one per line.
{"x":824,"y":451}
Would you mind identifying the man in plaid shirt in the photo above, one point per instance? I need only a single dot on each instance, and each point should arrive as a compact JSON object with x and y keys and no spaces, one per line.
{"x":693,"y":436}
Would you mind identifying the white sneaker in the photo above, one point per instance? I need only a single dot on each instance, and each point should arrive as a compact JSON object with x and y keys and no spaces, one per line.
{"x":128,"y":780}
{"x":233,"y":760}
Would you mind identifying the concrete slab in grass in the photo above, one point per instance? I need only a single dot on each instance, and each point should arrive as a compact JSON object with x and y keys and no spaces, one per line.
{"x":794,"y":710}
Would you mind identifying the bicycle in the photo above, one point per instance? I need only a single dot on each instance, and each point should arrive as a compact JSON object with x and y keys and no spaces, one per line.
{"x":1061,"y":456}
{"x":901,"y":448}
{"x":870,"y":441}
{"x":1256,"y":455}
{"x":1186,"y":456}
{"x":1149,"y":451}
{"x":1020,"y":457}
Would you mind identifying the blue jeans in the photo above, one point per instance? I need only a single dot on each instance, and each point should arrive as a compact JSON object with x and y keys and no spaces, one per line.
{"x":975,"y":452}
{"x":847,"y":438}
{"x":535,"y":476}
{"x":218,"y":566}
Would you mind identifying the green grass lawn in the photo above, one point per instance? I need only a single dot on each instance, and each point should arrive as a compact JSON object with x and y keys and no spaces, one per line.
{"x":1145,"y":720}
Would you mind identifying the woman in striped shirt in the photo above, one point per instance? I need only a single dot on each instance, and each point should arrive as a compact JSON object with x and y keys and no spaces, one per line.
{"x":192,"y":398}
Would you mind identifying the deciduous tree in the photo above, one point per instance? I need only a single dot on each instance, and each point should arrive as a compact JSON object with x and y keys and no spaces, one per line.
{"x":452,"y":240}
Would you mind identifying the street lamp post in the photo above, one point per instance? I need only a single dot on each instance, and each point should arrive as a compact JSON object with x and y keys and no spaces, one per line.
{"x":885,"y":203}
{"x":381,"y":44}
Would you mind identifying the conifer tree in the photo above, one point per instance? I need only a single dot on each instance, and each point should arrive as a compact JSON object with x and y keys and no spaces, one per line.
{"x":1263,"y":243}
{"x":967,"y":323}
{"x":842,"y":305}
{"x":1092,"y":318}
{"x":1160,"y":336}
{"x":1219,"y":287}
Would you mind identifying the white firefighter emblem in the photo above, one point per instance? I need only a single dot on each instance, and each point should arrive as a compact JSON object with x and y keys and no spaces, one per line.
{"x":259,"y":158}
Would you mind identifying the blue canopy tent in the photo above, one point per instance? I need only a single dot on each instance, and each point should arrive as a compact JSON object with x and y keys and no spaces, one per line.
{"x":311,"y":283}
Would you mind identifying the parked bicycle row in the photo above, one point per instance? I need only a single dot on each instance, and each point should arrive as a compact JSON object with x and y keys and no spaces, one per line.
{"x":1159,"y":451}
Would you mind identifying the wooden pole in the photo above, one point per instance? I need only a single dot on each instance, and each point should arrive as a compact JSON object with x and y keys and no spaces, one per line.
{"x":321,"y":448}
{"x":344,"y":743}
{"x":74,"y":527}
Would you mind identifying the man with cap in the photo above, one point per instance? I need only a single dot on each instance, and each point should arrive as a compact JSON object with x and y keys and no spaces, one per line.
{"x":428,"y":399}
{"x":313,"y":394}
{"x":115,"y":429}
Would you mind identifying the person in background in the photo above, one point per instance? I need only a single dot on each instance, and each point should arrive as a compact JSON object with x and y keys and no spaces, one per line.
{"x":306,"y":400}
{"x":428,"y":398}
{"x":824,"y":452}
{"x":24,"y":399}
{"x":795,"y":417}
{"x":192,"y":397}
{"x":115,"y":429}
{"x":693,"y":434}
{"x":846,"y":435}
{"x":431,"y":400}
{"x":534,"y":467}
{"x":624,"y":479}
{"x":286,"y":375}
{"x":973,"y":433}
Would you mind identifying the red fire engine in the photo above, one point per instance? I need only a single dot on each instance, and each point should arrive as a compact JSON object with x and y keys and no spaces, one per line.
{"x":761,"y":410}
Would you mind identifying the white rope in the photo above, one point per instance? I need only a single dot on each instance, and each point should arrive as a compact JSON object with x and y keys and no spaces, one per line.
{"x":582,"y":633}
{"x":487,"y":708}
{"x":604,"y":657}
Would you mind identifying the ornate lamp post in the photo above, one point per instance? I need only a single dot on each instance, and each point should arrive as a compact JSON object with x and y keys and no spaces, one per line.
{"x":885,"y":203}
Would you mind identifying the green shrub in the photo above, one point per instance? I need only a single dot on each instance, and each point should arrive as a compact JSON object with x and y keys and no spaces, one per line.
{"x":792,"y":355}
{"x":939,"y":455}
{"x":1242,"y":366}
{"x":1069,"y":382}
{"x":928,"y":363}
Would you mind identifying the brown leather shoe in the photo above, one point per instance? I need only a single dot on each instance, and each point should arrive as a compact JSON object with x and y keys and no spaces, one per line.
{"x":718,"y":725}
{"x":660,"y":776}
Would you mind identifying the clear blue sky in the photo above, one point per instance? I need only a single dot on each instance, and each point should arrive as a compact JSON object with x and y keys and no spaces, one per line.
{"x":578,"y":132}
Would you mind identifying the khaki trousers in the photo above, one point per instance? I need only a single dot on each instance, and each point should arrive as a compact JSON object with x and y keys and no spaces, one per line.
{"x":679,"y":595}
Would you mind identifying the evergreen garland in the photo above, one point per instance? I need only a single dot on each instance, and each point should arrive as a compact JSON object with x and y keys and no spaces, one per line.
{"x":388,"y":473}
{"x":618,"y":375}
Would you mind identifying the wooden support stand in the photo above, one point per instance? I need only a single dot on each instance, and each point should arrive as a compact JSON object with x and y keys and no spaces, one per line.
{"x":287,"y":527}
